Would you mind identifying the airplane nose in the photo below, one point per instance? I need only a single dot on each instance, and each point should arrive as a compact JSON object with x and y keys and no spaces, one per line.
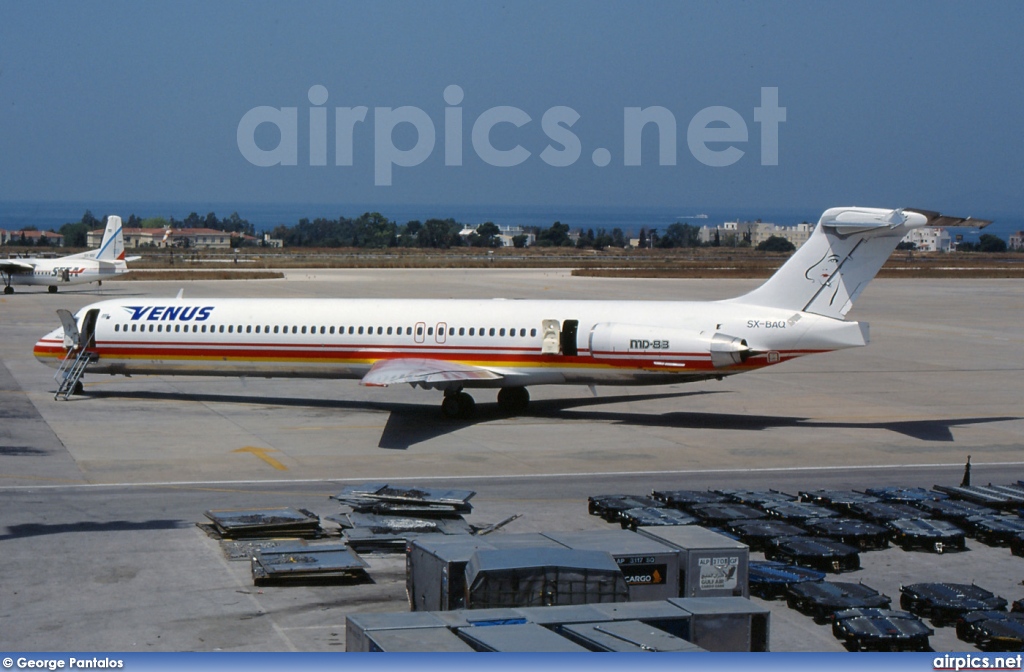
{"x":50,"y":348}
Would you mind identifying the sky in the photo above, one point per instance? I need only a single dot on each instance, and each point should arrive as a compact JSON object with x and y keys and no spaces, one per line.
{"x":517,"y":103}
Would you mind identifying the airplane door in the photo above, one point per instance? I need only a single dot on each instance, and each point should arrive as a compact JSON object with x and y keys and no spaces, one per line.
{"x":568,"y":337}
{"x":442,"y":332}
{"x":88,"y":337}
{"x":421,"y":329}
{"x":71,"y":335}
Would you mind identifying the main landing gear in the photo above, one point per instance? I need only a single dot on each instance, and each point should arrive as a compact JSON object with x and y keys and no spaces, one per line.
{"x":458,"y":405}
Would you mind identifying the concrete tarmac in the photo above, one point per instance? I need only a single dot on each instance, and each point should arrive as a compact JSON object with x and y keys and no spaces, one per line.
{"x":99,"y":494}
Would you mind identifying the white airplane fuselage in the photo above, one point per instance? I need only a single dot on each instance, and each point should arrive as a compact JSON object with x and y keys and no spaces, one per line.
{"x":616,"y":342}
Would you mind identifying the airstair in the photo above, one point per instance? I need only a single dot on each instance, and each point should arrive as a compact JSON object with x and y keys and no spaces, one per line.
{"x":71,"y":370}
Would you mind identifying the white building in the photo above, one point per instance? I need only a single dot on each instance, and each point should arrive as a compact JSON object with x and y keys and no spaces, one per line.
{"x":1016,"y":241}
{"x":734,"y":233}
{"x":929,"y":239}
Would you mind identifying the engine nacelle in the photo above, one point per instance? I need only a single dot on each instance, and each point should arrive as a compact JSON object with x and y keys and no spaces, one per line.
{"x":611,"y":340}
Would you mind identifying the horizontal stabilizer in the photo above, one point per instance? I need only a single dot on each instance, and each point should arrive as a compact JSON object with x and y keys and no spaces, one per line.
{"x":427,"y":372}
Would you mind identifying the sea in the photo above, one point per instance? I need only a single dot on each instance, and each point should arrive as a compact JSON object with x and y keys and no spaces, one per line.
{"x":51,"y":215}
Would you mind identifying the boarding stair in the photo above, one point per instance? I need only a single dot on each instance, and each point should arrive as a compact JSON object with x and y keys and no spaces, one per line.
{"x":71,"y":370}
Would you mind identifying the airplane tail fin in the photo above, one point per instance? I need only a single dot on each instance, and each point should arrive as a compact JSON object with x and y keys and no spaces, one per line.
{"x":112,"y":247}
{"x":845,"y":251}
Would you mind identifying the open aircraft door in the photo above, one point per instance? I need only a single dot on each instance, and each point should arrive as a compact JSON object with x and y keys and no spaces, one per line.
{"x":71,"y":335}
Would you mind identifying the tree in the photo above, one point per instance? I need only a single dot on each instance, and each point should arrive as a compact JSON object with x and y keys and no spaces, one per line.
{"x":519,"y":241}
{"x":643,"y":238}
{"x":680,"y":235}
{"x":556,"y":236}
{"x":487,"y":235}
{"x":76,"y":234}
{"x":776,"y":244}
{"x":991,"y":243}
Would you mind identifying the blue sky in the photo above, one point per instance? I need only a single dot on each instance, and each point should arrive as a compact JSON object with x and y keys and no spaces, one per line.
{"x":914,"y":103}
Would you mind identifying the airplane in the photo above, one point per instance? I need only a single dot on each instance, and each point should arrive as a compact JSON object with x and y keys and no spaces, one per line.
{"x":90,"y":266}
{"x":508,"y":345}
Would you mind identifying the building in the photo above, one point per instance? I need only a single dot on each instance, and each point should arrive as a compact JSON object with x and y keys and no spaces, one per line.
{"x":32,"y":238}
{"x":756,"y":232}
{"x":203,"y":238}
{"x":929,"y":239}
{"x":1016,"y":241}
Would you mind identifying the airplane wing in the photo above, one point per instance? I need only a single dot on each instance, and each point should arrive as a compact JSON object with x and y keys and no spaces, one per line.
{"x":15,"y":267}
{"x":425,"y":372}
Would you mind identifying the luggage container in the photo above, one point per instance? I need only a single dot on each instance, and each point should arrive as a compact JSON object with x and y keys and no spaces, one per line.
{"x":994,"y":497}
{"x":857,"y":533}
{"x":953,"y":510}
{"x":821,"y":600}
{"x":610,"y":506}
{"x":905,"y":495}
{"x":519,"y":638}
{"x":358,"y":626}
{"x":995,"y":530}
{"x":710,"y":564}
{"x":651,"y":568}
{"x":436,"y":566}
{"x":770,"y":580}
{"x":814,"y":552}
{"x":944,"y":603}
{"x":631,"y":519}
{"x":384,"y":498}
{"x":758,"y":533}
{"x":721,"y":514}
{"x":537,"y":577}
{"x":685,"y":499}
{"x":626,"y":637}
{"x":265,"y":523}
{"x":883,"y":512}
{"x":967,"y":624}
{"x":837,"y":500}
{"x":726,"y":623}
{"x":662,"y":615}
{"x":300,"y":562}
{"x":757,"y":498}
{"x":992,"y":630}
{"x":881,"y":630}
{"x":416,"y":640}
{"x":925,"y":534}
{"x":798,"y":513}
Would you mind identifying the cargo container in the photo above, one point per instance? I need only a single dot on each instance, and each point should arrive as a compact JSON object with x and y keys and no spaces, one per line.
{"x":710,"y":564}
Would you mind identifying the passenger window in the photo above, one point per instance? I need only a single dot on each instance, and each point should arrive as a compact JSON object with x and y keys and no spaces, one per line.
{"x":248,"y":329}
{"x":502,"y":332}
{"x":533,"y":332}
{"x":462,"y":331}
{"x":276,"y":328}
{"x":159,"y":327}
{"x":177,"y":328}
{"x":195,"y":328}
{"x":295,"y":330}
{"x":351,"y":329}
{"x":117,"y":327}
{"x":303,"y":329}
{"x":380,"y":331}
{"x":492,"y":331}
{"x":204,"y":328}
{"x":222,"y":328}
{"x":472,"y":331}
{"x":151,"y":327}
{"x":389,"y":331}
{"x":522,"y":333}
{"x":332,"y":330}
{"x":231,"y":328}
{"x":419,"y":331}
{"x":360,"y":331}
{"x":430,"y":331}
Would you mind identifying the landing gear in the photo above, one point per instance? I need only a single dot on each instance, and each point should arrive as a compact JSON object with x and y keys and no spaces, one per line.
{"x":513,"y":400}
{"x":79,"y":388}
{"x":457,"y":405}
{"x":8,"y":290}
{"x":52,"y":289}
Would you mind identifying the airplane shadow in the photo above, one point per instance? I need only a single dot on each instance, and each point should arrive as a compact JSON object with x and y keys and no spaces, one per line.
{"x":410,"y":424}
{"x":43,"y":529}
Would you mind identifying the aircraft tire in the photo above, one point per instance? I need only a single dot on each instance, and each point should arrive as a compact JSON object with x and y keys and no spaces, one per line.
{"x":513,"y":400}
{"x":467,"y":406}
{"x":79,"y":388}
{"x":52,"y":289}
{"x":8,"y":290}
